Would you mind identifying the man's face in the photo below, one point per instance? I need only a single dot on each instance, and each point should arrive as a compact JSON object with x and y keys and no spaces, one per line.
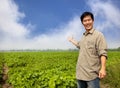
{"x":87,"y":23}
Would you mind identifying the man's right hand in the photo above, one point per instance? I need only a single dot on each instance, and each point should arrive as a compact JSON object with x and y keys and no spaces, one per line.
{"x":70,"y":38}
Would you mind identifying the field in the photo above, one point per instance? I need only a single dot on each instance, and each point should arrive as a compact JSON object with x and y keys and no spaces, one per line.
{"x":52,"y":69}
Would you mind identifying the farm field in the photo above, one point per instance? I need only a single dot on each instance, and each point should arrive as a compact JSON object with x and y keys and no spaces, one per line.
{"x":52,"y":69}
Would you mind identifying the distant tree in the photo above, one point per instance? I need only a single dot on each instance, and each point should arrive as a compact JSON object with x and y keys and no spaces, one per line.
{"x":118,"y":47}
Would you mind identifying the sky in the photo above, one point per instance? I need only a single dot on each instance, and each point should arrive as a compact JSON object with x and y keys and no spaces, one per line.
{"x":46,"y":24}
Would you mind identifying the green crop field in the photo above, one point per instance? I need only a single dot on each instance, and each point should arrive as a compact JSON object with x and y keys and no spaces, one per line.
{"x":52,"y":69}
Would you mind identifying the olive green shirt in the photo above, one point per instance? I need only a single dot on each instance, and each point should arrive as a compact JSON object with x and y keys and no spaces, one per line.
{"x":92,"y":45}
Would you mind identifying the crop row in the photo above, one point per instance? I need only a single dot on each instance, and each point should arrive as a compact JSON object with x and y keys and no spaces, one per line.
{"x":41,"y":69}
{"x":53,"y":69}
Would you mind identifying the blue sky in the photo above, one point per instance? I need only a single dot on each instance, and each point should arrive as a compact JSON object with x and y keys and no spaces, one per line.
{"x":46,"y":24}
{"x":46,"y":15}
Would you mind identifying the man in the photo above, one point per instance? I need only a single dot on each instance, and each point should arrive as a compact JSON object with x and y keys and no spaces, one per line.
{"x":91,"y":65}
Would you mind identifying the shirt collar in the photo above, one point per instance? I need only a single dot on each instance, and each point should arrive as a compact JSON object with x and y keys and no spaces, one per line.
{"x":90,"y":32}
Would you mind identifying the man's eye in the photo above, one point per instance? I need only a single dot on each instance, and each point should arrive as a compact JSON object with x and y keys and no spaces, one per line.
{"x":85,"y":20}
{"x":89,"y":19}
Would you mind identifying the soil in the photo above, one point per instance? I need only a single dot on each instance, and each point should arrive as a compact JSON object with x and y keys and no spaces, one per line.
{"x":5,"y":77}
{"x":104,"y":85}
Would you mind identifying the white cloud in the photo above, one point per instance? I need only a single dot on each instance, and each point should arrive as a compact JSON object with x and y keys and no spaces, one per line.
{"x":13,"y":34}
{"x":110,"y":22}
{"x":9,"y":20}
{"x":106,"y":10}
{"x":57,"y":40}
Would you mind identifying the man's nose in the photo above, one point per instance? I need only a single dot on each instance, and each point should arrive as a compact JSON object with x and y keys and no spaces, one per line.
{"x":87,"y":22}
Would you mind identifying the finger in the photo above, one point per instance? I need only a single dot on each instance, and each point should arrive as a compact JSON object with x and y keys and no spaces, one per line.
{"x":101,"y":76}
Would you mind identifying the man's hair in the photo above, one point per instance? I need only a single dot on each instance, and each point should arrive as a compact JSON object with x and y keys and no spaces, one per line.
{"x":86,"y":14}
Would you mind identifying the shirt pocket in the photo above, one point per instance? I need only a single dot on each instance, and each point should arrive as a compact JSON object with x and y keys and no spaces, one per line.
{"x":90,"y":45}
{"x":91,"y":48}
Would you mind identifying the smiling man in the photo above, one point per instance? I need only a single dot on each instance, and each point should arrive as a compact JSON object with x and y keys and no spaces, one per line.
{"x":91,"y":65}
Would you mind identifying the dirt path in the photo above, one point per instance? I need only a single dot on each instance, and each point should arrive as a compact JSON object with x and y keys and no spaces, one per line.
{"x":104,"y":85}
{"x":5,"y":77}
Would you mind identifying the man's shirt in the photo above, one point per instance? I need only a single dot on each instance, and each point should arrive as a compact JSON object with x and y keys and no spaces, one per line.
{"x":92,"y":45}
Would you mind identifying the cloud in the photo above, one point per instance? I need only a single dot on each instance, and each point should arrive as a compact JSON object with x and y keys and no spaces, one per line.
{"x":9,"y":20}
{"x":58,"y":40}
{"x":11,"y":30}
{"x":15,"y":35}
{"x":106,"y":10}
{"x":109,"y":22}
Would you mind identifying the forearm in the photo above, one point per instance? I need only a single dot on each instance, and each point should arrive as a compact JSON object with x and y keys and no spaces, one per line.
{"x":102,"y":72}
{"x":74,"y":42}
{"x":71,"y":39}
{"x":103,"y":62}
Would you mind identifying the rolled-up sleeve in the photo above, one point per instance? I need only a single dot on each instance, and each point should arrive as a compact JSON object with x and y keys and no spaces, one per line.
{"x":101,"y":45}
